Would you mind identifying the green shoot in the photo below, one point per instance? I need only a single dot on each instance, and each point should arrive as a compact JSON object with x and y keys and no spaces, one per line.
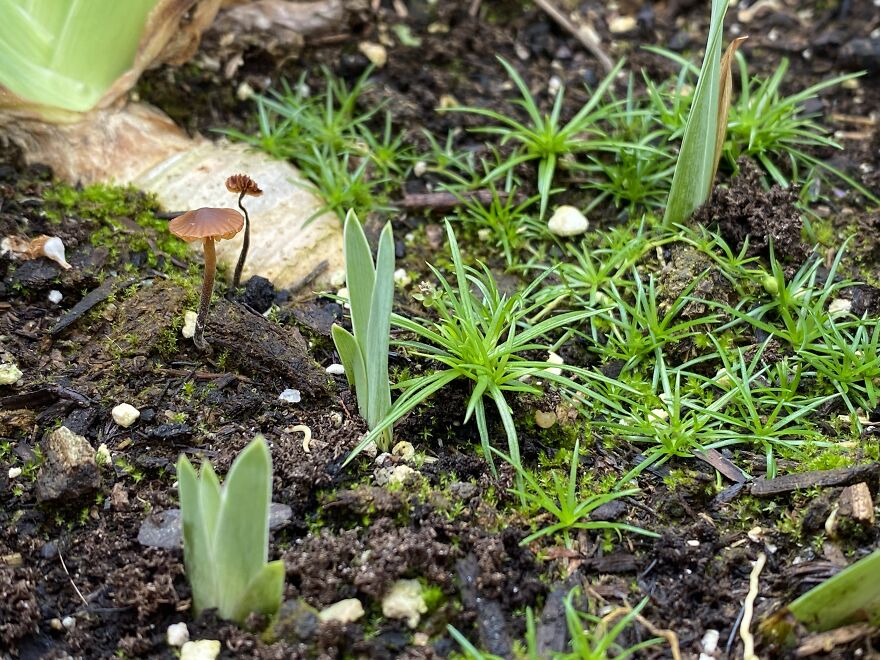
{"x":226,"y":536}
{"x":364,"y":353}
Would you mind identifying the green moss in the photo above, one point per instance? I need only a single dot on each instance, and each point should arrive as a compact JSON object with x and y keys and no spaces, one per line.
{"x":110,"y":207}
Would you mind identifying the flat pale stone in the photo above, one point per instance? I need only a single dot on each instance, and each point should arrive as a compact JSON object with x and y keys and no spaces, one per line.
{"x":405,"y":601}
{"x":281,"y":249}
{"x":188,"y":330}
{"x":344,"y":611}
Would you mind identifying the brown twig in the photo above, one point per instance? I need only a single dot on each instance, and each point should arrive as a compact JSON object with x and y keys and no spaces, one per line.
{"x":446,"y":201}
{"x":583,"y":33}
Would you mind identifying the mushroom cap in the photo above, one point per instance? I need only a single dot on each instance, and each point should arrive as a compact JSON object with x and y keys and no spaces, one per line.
{"x":207,"y":223}
{"x":242,"y":183}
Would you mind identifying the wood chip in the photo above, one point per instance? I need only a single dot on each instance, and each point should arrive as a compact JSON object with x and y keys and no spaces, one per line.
{"x":826,"y":642}
{"x":714,"y":458}
{"x":856,"y":503}
{"x":792,"y":482}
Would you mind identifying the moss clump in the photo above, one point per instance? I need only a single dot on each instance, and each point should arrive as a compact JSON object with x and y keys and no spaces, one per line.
{"x":116,"y":210}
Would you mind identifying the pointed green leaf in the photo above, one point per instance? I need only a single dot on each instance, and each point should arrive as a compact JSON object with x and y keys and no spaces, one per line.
{"x":263,"y":595}
{"x":359,"y":277}
{"x":197,"y":543}
{"x":243,"y":527}
{"x":378,"y":334}
{"x":692,"y":181}
{"x":353,"y":362}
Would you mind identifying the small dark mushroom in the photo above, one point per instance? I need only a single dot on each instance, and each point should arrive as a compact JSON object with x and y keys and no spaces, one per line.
{"x":207,"y":225}
{"x":243,"y":185}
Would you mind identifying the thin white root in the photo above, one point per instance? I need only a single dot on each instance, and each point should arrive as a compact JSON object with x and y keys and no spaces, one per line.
{"x":749,"y":609}
{"x":307,"y":433}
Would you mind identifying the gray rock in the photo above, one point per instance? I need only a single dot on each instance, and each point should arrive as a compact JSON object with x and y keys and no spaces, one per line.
{"x":162,"y":529}
{"x":69,"y":470}
{"x":296,"y":622}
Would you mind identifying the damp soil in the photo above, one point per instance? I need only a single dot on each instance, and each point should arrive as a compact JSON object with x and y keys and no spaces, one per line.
{"x":75,"y":580}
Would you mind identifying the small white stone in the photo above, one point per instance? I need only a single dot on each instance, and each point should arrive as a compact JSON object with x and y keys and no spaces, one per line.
{"x":484,"y":234}
{"x":401,"y":277}
{"x":376,"y":53}
{"x":335,"y":369}
{"x":404,"y":450}
{"x":344,"y":611}
{"x":694,"y":543}
{"x":554,"y":85}
{"x":405,"y":601}
{"x":55,"y":296}
{"x":290,"y":396}
{"x":189,"y":324}
{"x":723,"y":379}
{"x":14,"y":472}
{"x":621,"y":24}
{"x":710,"y":641}
{"x":10,"y":374}
{"x":755,"y":534}
{"x":371,"y":450}
{"x":659,"y":414}
{"x":343,"y":293}
{"x":553,"y":358}
{"x":102,"y":456}
{"x":839,"y":307}
{"x":401,"y":474}
{"x":68,"y":622}
{"x":203,"y":649}
{"x":177,"y":634}
{"x":337,"y":279}
{"x":420,"y":168}
{"x":567,"y":221}
{"x":125,"y":414}
{"x":244,"y":92}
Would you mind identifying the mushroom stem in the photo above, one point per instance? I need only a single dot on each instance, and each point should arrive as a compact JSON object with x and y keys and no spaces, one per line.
{"x":245,"y":244}
{"x":207,"y":292}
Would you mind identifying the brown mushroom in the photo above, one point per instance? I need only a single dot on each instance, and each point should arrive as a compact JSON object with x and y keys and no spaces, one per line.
{"x":243,"y":185}
{"x":207,"y":225}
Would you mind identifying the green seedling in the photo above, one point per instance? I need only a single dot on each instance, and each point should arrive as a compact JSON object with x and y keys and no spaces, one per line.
{"x":590,"y":637}
{"x":563,"y":503}
{"x":364,"y":353}
{"x":483,"y":337}
{"x":544,"y":138}
{"x":226,"y":536}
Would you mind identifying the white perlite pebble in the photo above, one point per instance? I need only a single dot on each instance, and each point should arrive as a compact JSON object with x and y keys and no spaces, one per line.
{"x":345,"y":611}
{"x":335,"y":369}
{"x":9,"y":374}
{"x":710,"y":641}
{"x":553,"y":358}
{"x":405,"y":601}
{"x":290,"y":396}
{"x":189,"y":324}
{"x":404,"y":450}
{"x":203,"y":649}
{"x":337,"y":279}
{"x":102,"y":456}
{"x":567,"y":221}
{"x":401,"y":277}
{"x":14,"y":472}
{"x":177,"y":634}
{"x":376,"y":53}
{"x":839,"y":307}
{"x":125,"y":414}
{"x":68,"y":622}
{"x":401,"y":474}
{"x":55,"y":296}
